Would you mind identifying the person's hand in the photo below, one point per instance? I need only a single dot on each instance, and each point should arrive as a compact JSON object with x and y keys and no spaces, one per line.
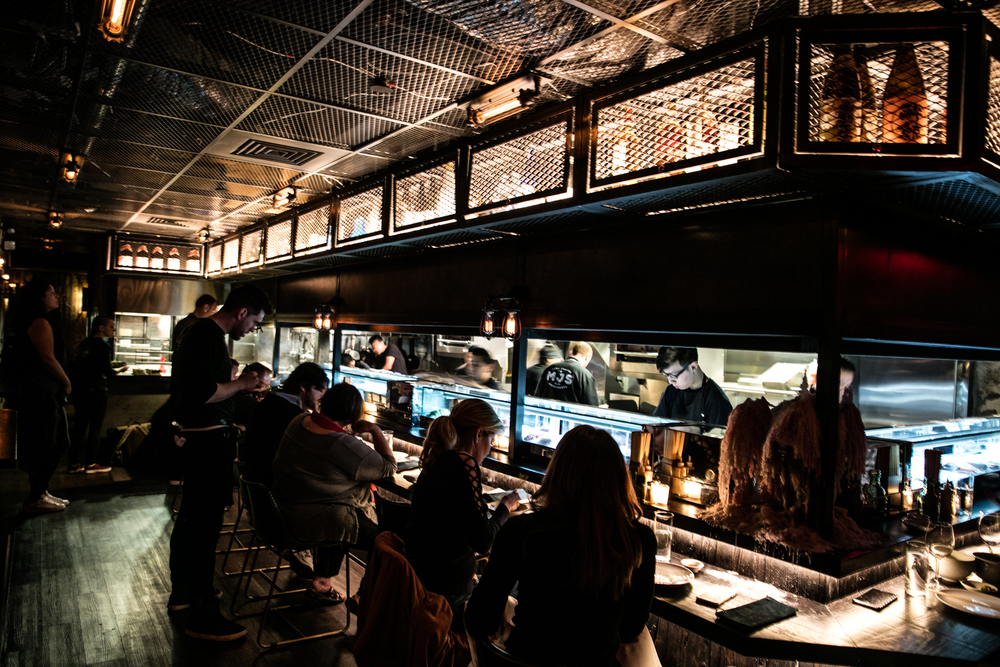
{"x":247,"y":381}
{"x":67,"y":388}
{"x":365,"y":426}
{"x":511,"y":500}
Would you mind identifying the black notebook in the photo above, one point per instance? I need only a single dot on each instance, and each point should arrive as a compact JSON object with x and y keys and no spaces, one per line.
{"x":756,"y":614}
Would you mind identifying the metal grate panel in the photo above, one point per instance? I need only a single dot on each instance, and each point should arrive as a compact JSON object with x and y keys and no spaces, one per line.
{"x":132,"y":126}
{"x":354,"y":167}
{"x":117,"y":153}
{"x":232,"y":194}
{"x":197,"y":204}
{"x":312,"y":230}
{"x":250,"y":247}
{"x":606,"y":59}
{"x":957,"y":200}
{"x":215,"y":259}
{"x":320,"y":16}
{"x":426,"y":196}
{"x":527,"y":165}
{"x":279,"y":240}
{"x":698,"y":117}
{"x":993,"y":108}
{"x":157,"y":256}
{"x":360,"y":215}
{"x":231,"y":254}
{"x":689,"y":26}
{"x":879,"y":93}
{"x":411,"y":142}
{"x":313,"y":123}
{"x":234,"y":171}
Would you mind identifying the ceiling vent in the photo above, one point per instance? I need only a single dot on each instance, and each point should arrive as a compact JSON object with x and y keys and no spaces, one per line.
{"x":287,"y":155}
{"x":163,"y":222}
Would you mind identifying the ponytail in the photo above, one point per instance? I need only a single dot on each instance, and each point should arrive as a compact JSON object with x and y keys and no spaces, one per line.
{"x":441,"y":437}
{"x":445,"y":432}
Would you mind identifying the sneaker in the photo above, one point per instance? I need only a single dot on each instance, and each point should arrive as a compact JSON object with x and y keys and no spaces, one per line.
{"x":179,"y":602}
{"x":74,"y":468}
{"x":207,"y":622}
{"x":43,"y":506}
{"x":52,"y":499}
{"x":96,"y":468}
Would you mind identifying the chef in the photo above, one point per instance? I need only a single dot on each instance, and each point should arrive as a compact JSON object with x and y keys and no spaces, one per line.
{"x":691,"y":395}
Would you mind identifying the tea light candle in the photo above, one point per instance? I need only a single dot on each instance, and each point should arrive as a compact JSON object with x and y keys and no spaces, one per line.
{"x":660,"y":493}
{"x":692,"y":489}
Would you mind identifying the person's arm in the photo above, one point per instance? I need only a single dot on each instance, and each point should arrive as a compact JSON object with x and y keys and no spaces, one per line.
{"x":590,"y":389}
{"x":479,"y":531}
{"x":360,"y":462}
{"x":41,"y":337}
{"x":224,"y":390}
{"x":485,"y":609}
{"x":389,"y":361}
{"x":378,"y":438}
{"x":719,"y":409}
{"x":639,"y":595}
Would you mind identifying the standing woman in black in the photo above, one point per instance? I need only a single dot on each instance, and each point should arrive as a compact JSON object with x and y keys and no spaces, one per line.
{"x":42,"y":389}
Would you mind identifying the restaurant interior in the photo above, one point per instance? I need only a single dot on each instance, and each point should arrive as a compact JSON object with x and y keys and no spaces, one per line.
{"x":780,"y":185}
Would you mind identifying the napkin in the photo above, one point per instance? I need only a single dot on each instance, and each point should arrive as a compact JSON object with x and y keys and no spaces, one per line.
{"x":756,"y":614}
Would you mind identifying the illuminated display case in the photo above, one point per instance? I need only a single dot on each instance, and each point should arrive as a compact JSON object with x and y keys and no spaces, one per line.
{"x":143,"y":342}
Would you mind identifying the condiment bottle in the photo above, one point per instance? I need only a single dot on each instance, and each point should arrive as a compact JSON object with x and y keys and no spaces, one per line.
{"x":904,"y":106}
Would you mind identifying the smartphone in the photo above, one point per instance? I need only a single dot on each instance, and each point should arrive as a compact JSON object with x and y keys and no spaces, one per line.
{"x":876,"y":599}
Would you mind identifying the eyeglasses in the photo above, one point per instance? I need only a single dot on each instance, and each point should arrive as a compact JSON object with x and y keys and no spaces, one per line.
{"x":674,"y":376}
{"x":258,"y":328}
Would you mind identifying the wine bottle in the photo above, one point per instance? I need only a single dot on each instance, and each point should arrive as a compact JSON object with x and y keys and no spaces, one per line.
{"x":142,"y":257}
{"x":869,"y":111}
{"x":157,"y":258}
{"x":623,"y":149}
{"x":670,"y":143}
{"x":840,"y":103}
{"x":904,"y":107}
{"x":125,"y":255}
{"x":194,"y":261}
{"x":174,"y":260}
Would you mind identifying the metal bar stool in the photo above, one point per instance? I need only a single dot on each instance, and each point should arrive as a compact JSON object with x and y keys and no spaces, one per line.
{"x":238,"y":469}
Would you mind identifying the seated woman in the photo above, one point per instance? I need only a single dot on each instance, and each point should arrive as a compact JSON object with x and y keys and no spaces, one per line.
{"x":448,"y":518}
{"x":583,"y":565}
{"x":322,"y":481}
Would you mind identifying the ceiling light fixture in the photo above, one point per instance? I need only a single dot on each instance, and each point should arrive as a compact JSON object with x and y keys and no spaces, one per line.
{"x":285,"y":196}
{"x":115,"y":17}
{"x":323,"y":319}
{"x":55,"y":220}
{"x":504,"y":101}
{"x":381,"y":84}
{"x":204,"y":235}
{"x":71,"y":165}
{"x":509,"y":310}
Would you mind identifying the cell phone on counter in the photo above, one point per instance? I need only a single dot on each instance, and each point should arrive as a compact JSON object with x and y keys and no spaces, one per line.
{"x":876,"y":599}
{"x":716,"y":598}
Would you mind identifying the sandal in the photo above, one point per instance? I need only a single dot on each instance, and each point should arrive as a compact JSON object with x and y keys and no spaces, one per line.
{"x":330,"y":597}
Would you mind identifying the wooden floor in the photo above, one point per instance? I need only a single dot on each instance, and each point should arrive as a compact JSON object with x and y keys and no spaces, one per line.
{"x":89,"y":586}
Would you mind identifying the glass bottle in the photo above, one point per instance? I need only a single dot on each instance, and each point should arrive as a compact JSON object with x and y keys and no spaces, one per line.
{"x":156,"y":259}
{"x":142,"y":257}
{"x":174,"y":260}
{"x":194,"y":261}
{"x":906,"y":491}
{"x":904,"y":106}
{"x":671,"y":141}
{"x":930,"y":504}
{"x":869,"y":112}
{"x":949,"y":506}
{"x":840,"y":102}
{"x":125,"y":255}
{"x":623,"y":149}
{"x":879,"y":496}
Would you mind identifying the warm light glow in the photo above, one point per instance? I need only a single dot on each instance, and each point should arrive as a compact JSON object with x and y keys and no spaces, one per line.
{"x":487,"y":114}
{"x":55,"y":220}
{"x":326,"y":321}
{"x":512,"y":326}
{"x":660,"y":493}
{"x":318,"y":322}
{"x":115,"y":15}
{"x":692,"y":489}
{"x":5,"y":276}
{"x":71,"y":169}
{"x":488,"y":327}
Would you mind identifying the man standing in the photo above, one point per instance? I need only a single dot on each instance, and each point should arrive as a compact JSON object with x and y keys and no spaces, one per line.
{"x":202,"y":391}
{"x":387,"y":356}
{"x":547,"y":356}
{"x":90,"y":396}
{"x":569,"y":380}
{"x":691,"y":395}
{"x":205,"y":305}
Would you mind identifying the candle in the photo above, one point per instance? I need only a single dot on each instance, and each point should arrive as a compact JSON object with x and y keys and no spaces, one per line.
{"x":660,"y":493}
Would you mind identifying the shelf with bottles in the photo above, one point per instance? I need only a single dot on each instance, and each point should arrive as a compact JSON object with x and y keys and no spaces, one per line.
{"x":128,"y":253}
{"x":969,"y":447}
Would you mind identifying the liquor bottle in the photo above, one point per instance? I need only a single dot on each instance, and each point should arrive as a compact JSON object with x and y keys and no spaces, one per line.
{"x":142,"y":257}
{"x":930,"y":501}
{"x":125,"y":255}
{"x":671,"y":140}
{"x":949,"y":505}
{"x":156,"y":260}
{"x":869,"y":111}
{"x":840,"y":103}
{"x":623,"y":148}
{"x":904,"y":107}
{"x":194,"y":261}
{"x":174,"y":260}
{"x":878,"y":491}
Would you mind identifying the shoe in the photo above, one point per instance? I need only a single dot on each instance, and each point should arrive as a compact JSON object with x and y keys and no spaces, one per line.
{"x":330,"y":598}
{"x":43,"y":506}
{"x":96,"y":468}
{"x":52,"y":499}
{"x":75,"y":468}
{"x":178,"y":602}
{"x":207,"y":622}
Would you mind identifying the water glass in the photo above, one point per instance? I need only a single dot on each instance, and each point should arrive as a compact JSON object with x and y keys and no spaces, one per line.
{"x":388,"y":437}
{"x":916,"y":568}
{"x":663,"y":527}
{"x":989,"y":529}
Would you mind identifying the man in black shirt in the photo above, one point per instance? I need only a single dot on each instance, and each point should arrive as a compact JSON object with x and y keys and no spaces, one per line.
{"x":691,"y":395}
{"x":569,"y":380}
{"x":202,"y":391}
{"x":205,"y":305}
{"x":547,"y":356}
{"x":387,"y":356}
{"x":481,"y":368}
{"x":90,"y":396}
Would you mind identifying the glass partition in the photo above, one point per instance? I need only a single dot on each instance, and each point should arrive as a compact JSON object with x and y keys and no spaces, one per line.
{"x":296,"y":345}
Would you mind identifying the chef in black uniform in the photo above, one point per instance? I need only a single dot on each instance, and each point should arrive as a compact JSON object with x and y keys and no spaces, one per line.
{"x":481,"y":368}
{"x":569,"y":380}
{"x":548,"y":355}
{"x":388,"y":357}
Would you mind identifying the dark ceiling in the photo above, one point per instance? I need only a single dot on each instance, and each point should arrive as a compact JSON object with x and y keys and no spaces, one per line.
{"x":159,"y":116}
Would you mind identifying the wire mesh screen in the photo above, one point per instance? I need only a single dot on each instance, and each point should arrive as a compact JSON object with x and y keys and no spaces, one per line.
{"x":706,"y":114}
{"x":313,"y":229}
{"x":429,"y":195}
{"x":279,"y":240}
{"x":125,"y":258}
{"x":879,"y":93}
{"x":360,"y":215}
{"x":231,"y":254}
{"x":250,"y":248}
{"x":993,"y":108}
{"x":530,"y":164}
{"x":214,"y":259}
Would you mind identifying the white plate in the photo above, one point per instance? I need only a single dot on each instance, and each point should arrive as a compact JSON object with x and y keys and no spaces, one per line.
{"x":974,"y":583}
{"x":668,"y":574}
{"x":980,"y":604}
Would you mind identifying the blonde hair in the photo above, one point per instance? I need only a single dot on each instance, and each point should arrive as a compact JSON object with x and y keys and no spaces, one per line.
{"x":444,"y":433}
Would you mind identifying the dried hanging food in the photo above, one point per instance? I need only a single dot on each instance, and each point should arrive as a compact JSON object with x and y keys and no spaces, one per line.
{"x":792,"y":458}
{"x":853,"y":447}
{"x":741,"y":450}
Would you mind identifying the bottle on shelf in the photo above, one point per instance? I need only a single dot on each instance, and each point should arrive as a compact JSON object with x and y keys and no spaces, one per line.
{"x":624,"y":148}
{"x":671,"y":140}
{"x":194,"y":261}
{"x":174,"y":260}
{"x":125,"y":255}
{"x":142,"y":257}
{"x":156,"y":258}
{"x":869,"y":108}
{"x":904,"y":105}
{"x":840,"y":102}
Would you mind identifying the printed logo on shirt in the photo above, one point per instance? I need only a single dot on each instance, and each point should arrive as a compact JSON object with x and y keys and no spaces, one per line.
{"x":559,"y":378}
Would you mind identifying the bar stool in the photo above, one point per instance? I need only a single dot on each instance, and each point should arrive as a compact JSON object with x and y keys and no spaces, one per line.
{"x":271,"y":533}
{"x":233,"y":529}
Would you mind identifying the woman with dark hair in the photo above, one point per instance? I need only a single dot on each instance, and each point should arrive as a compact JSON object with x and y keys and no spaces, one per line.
{"x":43,"y":389}
{"x":596,"y":588}
{"x":449,"y":523}
{"x":322,"y":481}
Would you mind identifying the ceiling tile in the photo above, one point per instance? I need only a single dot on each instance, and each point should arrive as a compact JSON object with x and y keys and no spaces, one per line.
{"x":303,"y":121}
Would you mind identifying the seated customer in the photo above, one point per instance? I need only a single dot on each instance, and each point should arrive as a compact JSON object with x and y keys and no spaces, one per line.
{"x":246,"y":401}
{"x":583,"y":565}
{"x":449,"y":522}
{"x":322,"y":481}
{"x":300,"y":392}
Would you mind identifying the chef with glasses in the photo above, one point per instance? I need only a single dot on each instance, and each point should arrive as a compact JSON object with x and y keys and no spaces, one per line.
{"x":691,"y":395}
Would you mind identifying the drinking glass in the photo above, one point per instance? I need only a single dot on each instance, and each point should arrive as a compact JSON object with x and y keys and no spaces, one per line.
{"x":940,"y":544}
{"x":664,"y":530}
{"x":989,"y":529}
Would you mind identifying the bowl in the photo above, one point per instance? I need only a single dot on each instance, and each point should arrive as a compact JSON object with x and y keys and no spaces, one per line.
{"x":988,"y":567}
{"x":957,"y":566}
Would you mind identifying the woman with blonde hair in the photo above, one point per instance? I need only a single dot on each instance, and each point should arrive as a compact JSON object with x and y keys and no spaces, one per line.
{"x":449,"y":522}
{"x":583,"y":565}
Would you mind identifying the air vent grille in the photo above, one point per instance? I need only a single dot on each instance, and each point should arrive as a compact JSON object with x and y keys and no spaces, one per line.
{"x":288,"y":155}
{"x":163,"y":222}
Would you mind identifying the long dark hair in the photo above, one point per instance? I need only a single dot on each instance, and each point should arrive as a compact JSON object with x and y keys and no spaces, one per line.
{"x":587,"y":488}
{"x":31,"y":304}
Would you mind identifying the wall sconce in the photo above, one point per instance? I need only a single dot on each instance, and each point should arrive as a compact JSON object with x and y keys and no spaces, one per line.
{"x":71,"y":165}
{"x":285,"y":197}
{"x":509,"y":308}
{"x":504,"y":101}
{"x":323,"y":320}
{"x":55,"y":220}
{"x":203,"y":235}
{"x":115,"y":17}
{"x":488,"y":326}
